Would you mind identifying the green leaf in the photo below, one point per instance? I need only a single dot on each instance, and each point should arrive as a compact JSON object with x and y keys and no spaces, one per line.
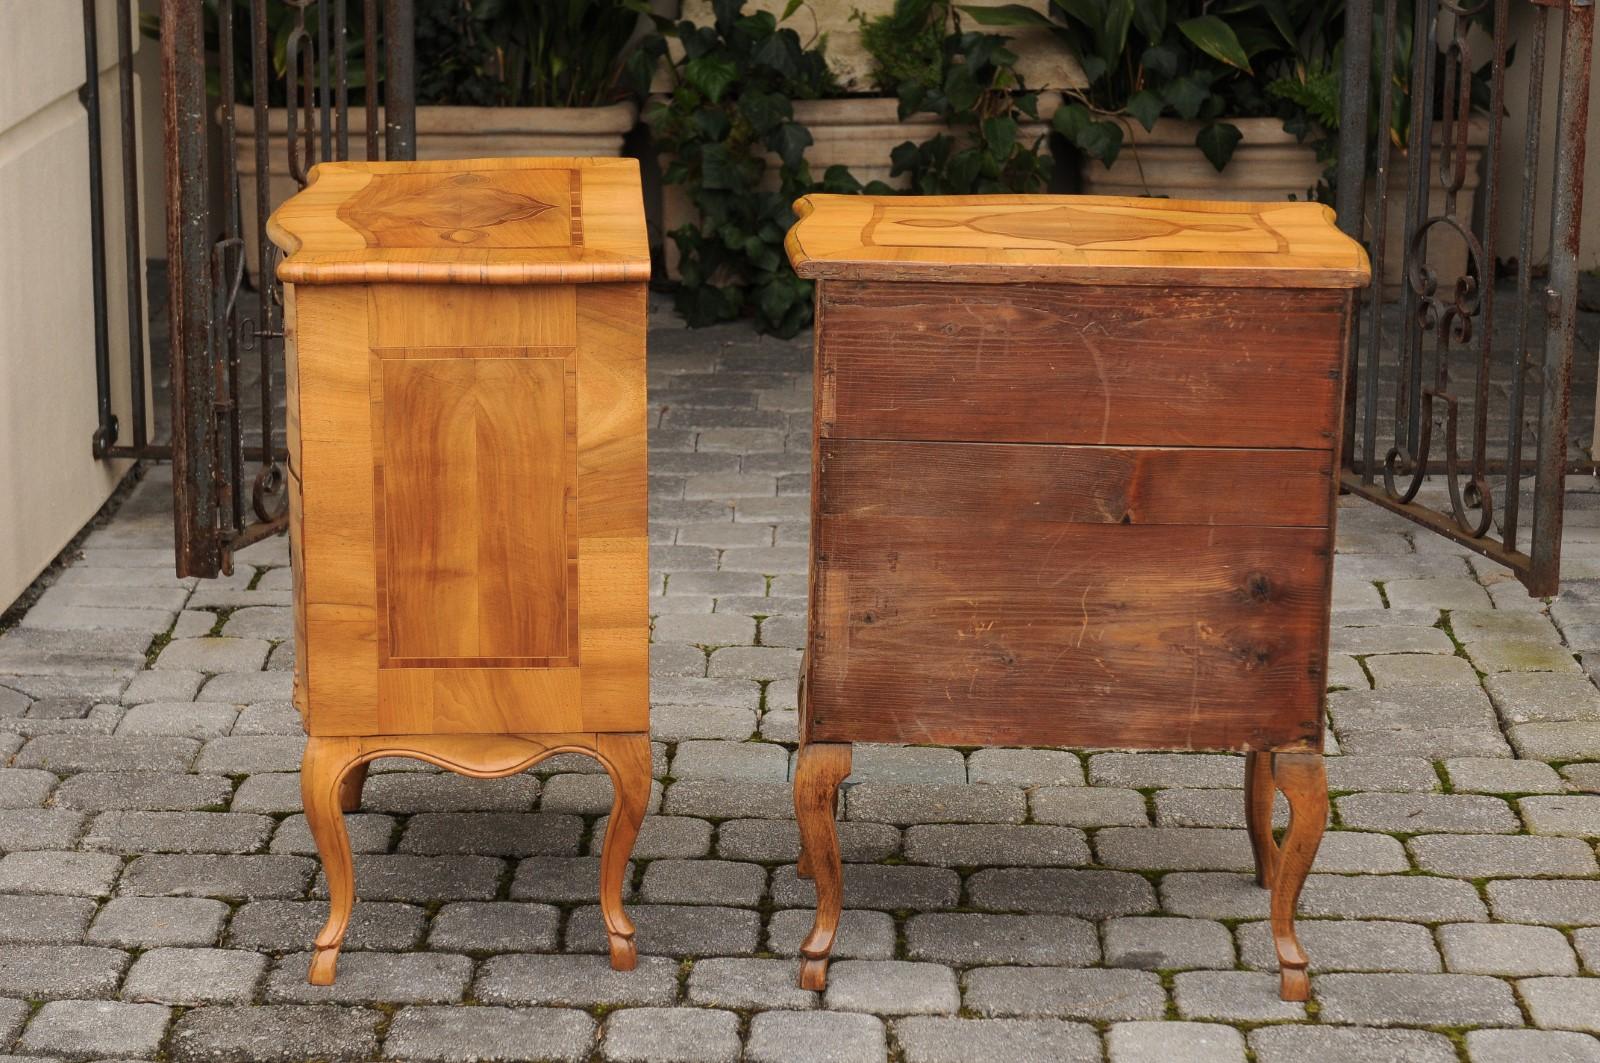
{"x":1101,"y":140}
{"x":1070,"y":120}
{"x":1217,"y":142}
{"x":763,"y":110}
{"x":711,"y":75}
{"x":790,"y":8}
{"x":1186,"y":95}
{"x":1005,"y":15}
{"x":1160,"y":60}
{"x":1217,"y":39}
{"x":1151,"y":18}
{"x":1000,"y":133}
{"x":781,"y":52}
{"x":718,"y":168}
{"x":790,"y":140}
{"x":1146,"y":106}
{"x":961,"y":88}
{"x":1112,"y":37}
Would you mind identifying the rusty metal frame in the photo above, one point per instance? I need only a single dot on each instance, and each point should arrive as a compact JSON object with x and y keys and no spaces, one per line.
{"x":1444,"y":314}
{"x":220,"y":504}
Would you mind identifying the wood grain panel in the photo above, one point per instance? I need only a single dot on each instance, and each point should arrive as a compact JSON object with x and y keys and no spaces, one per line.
{"x":453,"y":315}
{"x":863,"y":478}
{"x":1030,"y":363}
{"x":928,"y":630}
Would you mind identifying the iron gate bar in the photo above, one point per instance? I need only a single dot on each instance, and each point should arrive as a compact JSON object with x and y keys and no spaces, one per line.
{"x":400,"y":81}
{"x":106,"y":434}
{"x":1427,"y":412}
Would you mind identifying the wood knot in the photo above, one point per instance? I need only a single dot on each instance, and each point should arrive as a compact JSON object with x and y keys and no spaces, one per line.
{"x":1258,"y":586}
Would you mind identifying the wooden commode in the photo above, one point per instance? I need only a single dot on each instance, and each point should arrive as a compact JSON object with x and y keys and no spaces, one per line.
{"x":1074,"y":474}
{"x":466,"y":423}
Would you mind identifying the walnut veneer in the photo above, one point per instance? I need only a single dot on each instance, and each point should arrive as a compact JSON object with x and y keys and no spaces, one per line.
{"x":1073,"y":483}
{"x":466,"y":423}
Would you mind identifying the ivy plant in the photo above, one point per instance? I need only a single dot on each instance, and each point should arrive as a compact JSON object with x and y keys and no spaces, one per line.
{"x":731,"y":103}
{"x":1191,"y":59}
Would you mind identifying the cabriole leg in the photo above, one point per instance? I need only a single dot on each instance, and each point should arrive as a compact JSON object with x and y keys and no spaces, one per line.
{"x":1259,"y":791}
{"x":627,"y":758}
{"x":324,"y":783}
{"x":819,"y":769}
{"x":1304,"y":782}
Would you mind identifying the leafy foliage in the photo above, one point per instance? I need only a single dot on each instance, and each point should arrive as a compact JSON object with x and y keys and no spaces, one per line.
{"x":984,"y":104}
{"x":1190,"y":59}
{"x":907,"y":44}
{"x":731,"y":104}
{"x":522,"y":53}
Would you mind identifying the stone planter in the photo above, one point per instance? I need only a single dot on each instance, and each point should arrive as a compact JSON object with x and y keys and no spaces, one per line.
{"x":858,"y":132}
{"x":443,"y":133}
{"x":1268,"y":164}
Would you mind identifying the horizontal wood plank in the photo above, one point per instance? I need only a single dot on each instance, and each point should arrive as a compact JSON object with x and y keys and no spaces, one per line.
{"x":1032,"y":363}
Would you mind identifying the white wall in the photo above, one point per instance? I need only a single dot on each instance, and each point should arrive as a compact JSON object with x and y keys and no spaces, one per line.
{"x":50,"y":483}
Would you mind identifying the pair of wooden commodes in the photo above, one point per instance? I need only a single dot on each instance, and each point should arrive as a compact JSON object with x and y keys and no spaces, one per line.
{"x":1073,"y":484}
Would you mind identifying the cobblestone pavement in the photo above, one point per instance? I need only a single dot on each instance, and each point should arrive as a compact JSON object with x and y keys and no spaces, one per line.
{"x":158,"y":890}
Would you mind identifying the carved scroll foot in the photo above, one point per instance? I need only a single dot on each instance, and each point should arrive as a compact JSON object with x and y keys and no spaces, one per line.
{"x":1304,"y":781}
{"x":819,"y":769}
{"x":627,"y":759}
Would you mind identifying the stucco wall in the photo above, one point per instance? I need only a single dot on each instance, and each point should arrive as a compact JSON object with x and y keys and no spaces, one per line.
{"x":50,"y":483}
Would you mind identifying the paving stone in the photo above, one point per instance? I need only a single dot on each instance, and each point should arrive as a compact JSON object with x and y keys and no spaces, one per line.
{"x":1390,"y":638}
{"x":74,"y":874}
{"x":560,"y":879}
{"x":1025,"y":767}
{"x":1562,"y":1003}
{"x":289,"y":926}
{"x":926,"y":1039}
{"x":1509,"y":655}
{"x":862,"y":935}
{"x":495,"y":926}
{"x":448,"y":792}
{"x":397,"y":877}
{"x":189,"y":719}
{"x":1543,"y":697}
{"x":1349,"y":1044}
{"x":54,"y":972}
{"x":889,"y":887}
{"x":672,"y":930}
{"x":755,"y":761}
{"x":245,"y":754}
{"x":32,"y":652}
{"x":575,"y":981}
{"x":25,"y":787}
{"x":194,"y":976}
{"x":682,"y":837}
{"x":1435,"y":743}
{"x":1511,"y":951}
{"x":753,"y":662}
{"x":1556,"y":741}
{"x":1518,"y":1046}
{"x":260,"y":622}
{"x":1577,"y":815}
{"x":156,"y":922}
{"x":1163,"y":769}
{"x":905,"y":804}
{"x":1490,"y":775}
{"x":772,"y":841}
{"x":43,"y":920}
{"x":214,"y":655}
{"x":368,"y":977}
{"x":815,"y":1037}
{"x":1559,"y":902}
{"x":1087,"y":894}
{"x":227,"y":877}
{"x":178,"y":832}
{"x":678,"y":723}
{"x":67,"y":754}
{"x":80,"y":1029}
{"x":39,"y":828}
{"x":272,"y":792}
{"x":1582,"y":777}
{"x":973,"y":845}
{"x":1397,"y":774}
{"x":703,"y":882}
{"x":671,"y":1035}
{"x":1418,"y":707}
{"x":1483,"y":856}
{"x":1171,"y":848}
{"x":169,"y":685}
{"x":247,"y":687}
{"x":747,"y":984}
{"x":274,"y":1034}
{"x":729,"y":799}
{"x":870,"y":763}
{"x":493,"y":834}
{"x":587,"y":794}
{"x":1092,"y":995}
{"x":713,"y":693}
{"x":1415,"y":899}
{"x":1153,"y":943}
{"x":1416,"y":1000}
{"x":368,"y":834}
{"x":1161,"y":1042}
{"x":148,"y":791}
{"x":1346,"y":945}
{"x":1232,"y":996}
{"x":269,"y":718}
{"x":13,"y":1013}
{"x":710,"y":629}
{"x":1088,"y":806}
{"x":484,"y":1034}
{"x":892,"y":987}
{"x":969,"y":939}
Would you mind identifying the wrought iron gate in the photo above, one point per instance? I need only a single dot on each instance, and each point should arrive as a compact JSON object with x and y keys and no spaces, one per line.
{"x":1437,"y":367}
{"x":217,"y":321}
